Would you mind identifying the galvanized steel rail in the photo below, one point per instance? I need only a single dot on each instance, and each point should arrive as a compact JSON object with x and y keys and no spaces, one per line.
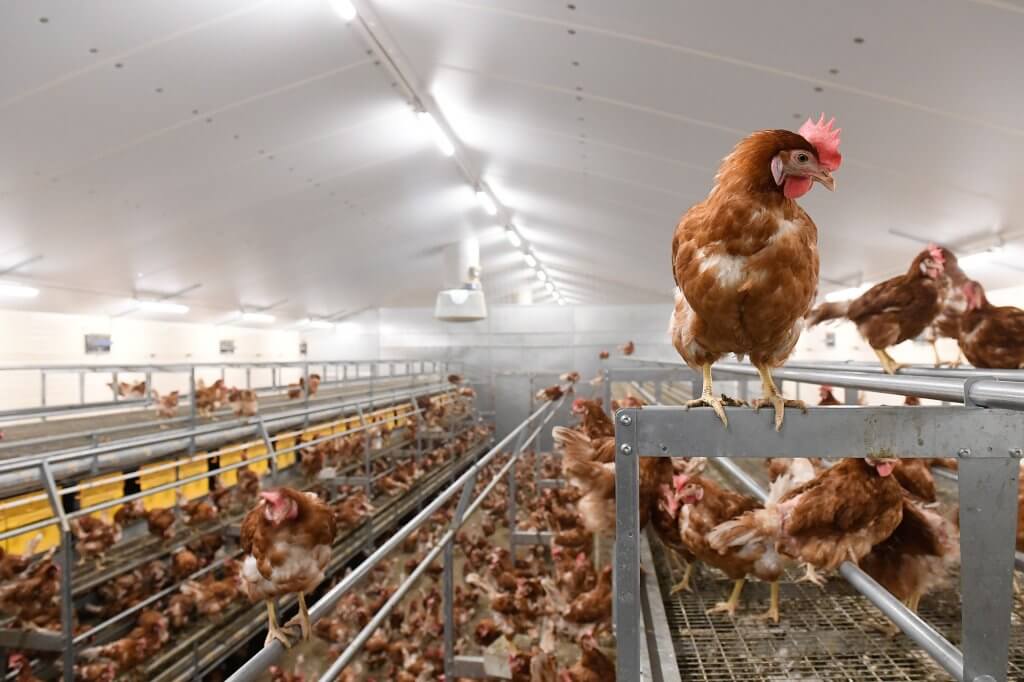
{"x":258,"y":664}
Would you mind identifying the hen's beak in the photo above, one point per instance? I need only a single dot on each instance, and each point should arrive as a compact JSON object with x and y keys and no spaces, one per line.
{"x":825,"y":178}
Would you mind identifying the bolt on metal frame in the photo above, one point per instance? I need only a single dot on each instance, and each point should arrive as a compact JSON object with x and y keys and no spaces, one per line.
{"x":254,"y":668}
{"x":986,"y":441}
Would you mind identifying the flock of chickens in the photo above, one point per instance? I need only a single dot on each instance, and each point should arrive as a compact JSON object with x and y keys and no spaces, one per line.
{"x":880,"y":513}
{"x":211,"y":572}
{"x":243,"y":402}
{"x":745,"y":263}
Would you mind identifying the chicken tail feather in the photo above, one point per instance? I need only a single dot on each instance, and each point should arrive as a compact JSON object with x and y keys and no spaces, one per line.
{"x":760,"y":525}
{"x":828,"y":311}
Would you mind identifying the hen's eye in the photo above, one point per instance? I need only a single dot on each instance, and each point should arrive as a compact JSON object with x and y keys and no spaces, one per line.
{"x":802,"y":158}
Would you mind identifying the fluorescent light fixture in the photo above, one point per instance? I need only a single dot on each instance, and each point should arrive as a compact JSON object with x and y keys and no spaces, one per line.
{"x":979,"y":257}
{"x":17,"y":290}
{"x":257,"y":317}
{"x":344,"y":9}
{"x":458,"y":296}
{"x":316,"y":324}
{"x":847,"y":294}
{"x":513,"y":237}
{"x":530,"y":259}
{"x":550,"y":287}
{"x":487,"y":202}
{"x":442,"y":141}
{"x":162,"y":307}
{"x":542,"y":276}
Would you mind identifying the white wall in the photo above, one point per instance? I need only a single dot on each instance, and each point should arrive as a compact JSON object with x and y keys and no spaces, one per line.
{"x":52,"y":338}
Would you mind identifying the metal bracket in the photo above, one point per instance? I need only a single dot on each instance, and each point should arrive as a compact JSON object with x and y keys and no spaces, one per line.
{"x":968,"y":383}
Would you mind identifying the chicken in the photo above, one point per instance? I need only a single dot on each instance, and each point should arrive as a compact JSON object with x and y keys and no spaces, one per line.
{"x":594,"y":421}
{"x":183,"y":564}
{"x":33,"y":599}
{"x":569,"y":377}
{"x":991,"y":337}
{"x":596,"y":480}
{"x":104,"y":671}
{"x":551,"y":393}
{"x":287,"y":541}
{"x":94,"y":536}
{"x":799,"y":469}
{"x":455,"y":379}
{"x":599,"y":449}
{"x":160,"y":522}
{"x":897,"y":309}
{"x":19,"y":664}
{"x":917,"y":558}
{"x":314,"y":384}
{"x":703,"y":506}
{"x":296,"y":391}
{"x":839,"y":516}
{"x":213,"y":598}
{"x":952,"y":305}
{"x":603,"y":355}
{"x":243,"y":402}
{"x":594,"y":605}
{"x":145,"y":639}
{"x":916,"y":478}
{"x":628,"y":348}
{"x":745,"y":259}
{"x":593,"y":665}
{"x":197,"y":512}
{"x":126,"y":390}
{"x":166,"y":406}
{"x":825,"y":396}
{"x":13,"y":565}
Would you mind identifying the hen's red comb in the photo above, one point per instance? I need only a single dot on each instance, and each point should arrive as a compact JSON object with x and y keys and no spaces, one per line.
{"x":935,"y":251}
{"x":825,"y":140}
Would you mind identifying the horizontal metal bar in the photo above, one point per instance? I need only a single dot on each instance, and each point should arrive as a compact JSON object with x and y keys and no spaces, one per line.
{"x":254,"y":667}
{"x":532,"y":537}
{"x":32,"y":640}
{"x":831,"y":432}
{"x":937,"y":646}
{"x":469,"y":666}
{"x":983,"y":391}
{"x":910,"y":370}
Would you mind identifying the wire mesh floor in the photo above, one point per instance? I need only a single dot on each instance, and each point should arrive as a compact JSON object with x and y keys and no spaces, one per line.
{"x":824,"y":634}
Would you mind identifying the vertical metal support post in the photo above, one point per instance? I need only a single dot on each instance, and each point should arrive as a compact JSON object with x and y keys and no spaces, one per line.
{"x":657,"y":391}
{"x":513,"y":503}
{"x":81,"y":387}
{"x":373,"y":373}
{"x":67,"y":612}
{"x":149,"y":386}
{"x":448,"y":580}
{"x":270,"y":449}
{"x":192,"y":409}
{"x":305,"y":392}
{"x":607,"y":391}
{"x":988,"y":525}
{"x":851,"y":396}
{"x":113,"y":386}
{"x":744,"y":390}
{"x":626,"y":616}
{"x":367,"y":461}
{"x":223,"y":373}
{"x":273,"y":377}
{"x":248,"y":378}
{"x":42,"y":389}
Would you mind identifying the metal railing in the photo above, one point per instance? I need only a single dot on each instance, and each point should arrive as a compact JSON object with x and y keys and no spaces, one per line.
{"x":45,"y":467}
{"x":521,"y":436}
{"x":986,"y":442}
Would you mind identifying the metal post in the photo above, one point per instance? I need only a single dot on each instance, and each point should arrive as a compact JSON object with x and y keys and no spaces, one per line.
{"x":607,"y":391}
{"x":851,"y":396}
{"x":627,"y":546}
{"x":988,"y":524}
{"x":248,"y":378}
{"x":67,"y":607}
{"x":270,"y":449}
{"x":42,"y":389}
{"x":513,"y":504}
{"x":81,"y":387}
{"x":744,"y":390}
{"x":192,"y":409}
{"x":149,"y":386}
{"x":305,"y":373}
{"x":448,"y":596}
{"x":113,"y":386}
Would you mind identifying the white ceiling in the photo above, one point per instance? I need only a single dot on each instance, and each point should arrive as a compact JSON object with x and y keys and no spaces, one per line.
{"x":258,"y":149}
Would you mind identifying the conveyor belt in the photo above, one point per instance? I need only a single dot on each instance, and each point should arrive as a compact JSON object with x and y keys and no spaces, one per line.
{"x":144,"y":421}
{"x":206,"y":645}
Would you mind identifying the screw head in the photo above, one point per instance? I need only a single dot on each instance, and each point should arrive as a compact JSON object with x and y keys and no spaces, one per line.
{"x":626,"y":420}
{"x":963,"y":452}
{"x":1016,"y":452}
{"x":626,"y":449}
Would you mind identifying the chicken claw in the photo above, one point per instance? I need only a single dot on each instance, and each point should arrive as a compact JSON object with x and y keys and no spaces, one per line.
{"x":780,"y":404}
{"x":273,"y":630}
{"x":684,"y":584}
{"x":301,"y":618}
{"x":812,"y":576}
{"x":888,"y":363}
{"x":734,"y":600}
{"x":717,"y":404}
{"x":772,"y":613}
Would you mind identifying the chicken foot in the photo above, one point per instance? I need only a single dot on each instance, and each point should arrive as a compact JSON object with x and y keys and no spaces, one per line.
{"x":774,"y":398}
{"x":734,"y":600}
{"x":684,"y":584}
{"x":274,"y":631}
{"x":302,"y":618}
{"x":812,"y":576}
{"x":888,"y":363}
{"x":707,"y":398}
{"x":772,"y":613}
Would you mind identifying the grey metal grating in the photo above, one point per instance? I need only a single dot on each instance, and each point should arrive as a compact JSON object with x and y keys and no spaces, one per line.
{"x":828,"y":635}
